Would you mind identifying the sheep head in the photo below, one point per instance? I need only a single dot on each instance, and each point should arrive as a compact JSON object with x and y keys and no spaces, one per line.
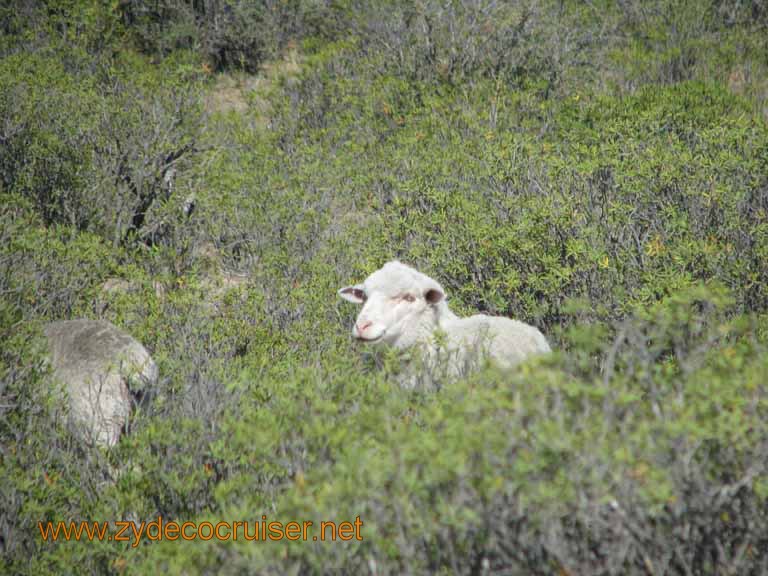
{"x":400,"y":305}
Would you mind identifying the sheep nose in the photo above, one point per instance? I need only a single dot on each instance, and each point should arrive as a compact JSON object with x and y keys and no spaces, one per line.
{"x":363,"y":327}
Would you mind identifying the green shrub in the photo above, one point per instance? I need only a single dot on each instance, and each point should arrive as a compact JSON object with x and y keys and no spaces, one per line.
{"x":534,"y":472}
{"x":231,"y":34}
{"x":46,"y":273}
{"x":109,"y":154}
{"x":596,"y":169}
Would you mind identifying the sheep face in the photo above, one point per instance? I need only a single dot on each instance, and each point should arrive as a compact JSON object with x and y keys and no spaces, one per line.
{"x":399,"y":305}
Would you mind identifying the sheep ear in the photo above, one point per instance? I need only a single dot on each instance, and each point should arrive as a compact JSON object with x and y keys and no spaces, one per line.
{"x":354,"y":294}
{"x":434,"y":295}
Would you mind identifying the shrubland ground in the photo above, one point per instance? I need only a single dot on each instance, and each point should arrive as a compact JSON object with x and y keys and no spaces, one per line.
{"x":207,"y":174}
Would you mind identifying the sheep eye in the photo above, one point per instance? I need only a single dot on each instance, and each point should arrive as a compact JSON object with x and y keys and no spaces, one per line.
{"x":406,"y":297}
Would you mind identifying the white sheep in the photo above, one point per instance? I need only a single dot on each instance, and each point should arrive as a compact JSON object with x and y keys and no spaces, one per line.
{"x":100,"y":366}
{"x":406,"y":309}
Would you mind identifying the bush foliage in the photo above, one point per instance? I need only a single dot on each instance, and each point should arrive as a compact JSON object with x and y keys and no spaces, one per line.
{"x":206,"y":175}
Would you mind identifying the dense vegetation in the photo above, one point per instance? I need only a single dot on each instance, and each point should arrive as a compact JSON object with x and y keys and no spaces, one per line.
{"x":206,"y":174}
